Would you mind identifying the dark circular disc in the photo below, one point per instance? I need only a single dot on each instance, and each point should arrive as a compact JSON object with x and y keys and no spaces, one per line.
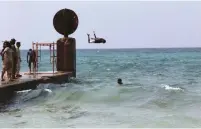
{"x":65,"y":21}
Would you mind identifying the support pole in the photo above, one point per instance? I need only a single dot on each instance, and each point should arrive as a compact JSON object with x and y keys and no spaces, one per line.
{"x":50,"y":52}
{"x":40,"y":52}
{"x":36,"y":69}
{"x":53,"y":58}
{"x":33,"y":45}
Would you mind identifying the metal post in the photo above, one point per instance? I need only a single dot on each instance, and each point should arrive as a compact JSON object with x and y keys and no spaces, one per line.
{"x":50,"y":52}
{"x":53,"y":58}
{"x":33,"y":44}
{"x":36,"y":69}
{"x":40,"y":52}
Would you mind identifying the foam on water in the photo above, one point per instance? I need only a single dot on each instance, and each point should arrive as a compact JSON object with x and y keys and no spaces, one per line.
{"x":167,"y":87}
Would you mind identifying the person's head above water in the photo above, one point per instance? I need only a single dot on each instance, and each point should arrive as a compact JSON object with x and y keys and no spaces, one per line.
{"x":119,"y":81}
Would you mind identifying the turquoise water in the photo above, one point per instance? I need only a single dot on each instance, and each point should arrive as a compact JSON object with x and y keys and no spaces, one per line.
{"x":162,"y":88}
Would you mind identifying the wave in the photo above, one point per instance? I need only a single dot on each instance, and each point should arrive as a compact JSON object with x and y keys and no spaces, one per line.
{"x":31,"y":94}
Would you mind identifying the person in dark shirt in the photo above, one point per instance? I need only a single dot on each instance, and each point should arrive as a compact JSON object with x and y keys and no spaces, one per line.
{"x":31,"y":59}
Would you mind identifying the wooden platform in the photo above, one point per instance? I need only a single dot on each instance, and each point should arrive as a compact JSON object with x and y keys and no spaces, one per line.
{"x":30,"y":81}
{"x":30,"y":77}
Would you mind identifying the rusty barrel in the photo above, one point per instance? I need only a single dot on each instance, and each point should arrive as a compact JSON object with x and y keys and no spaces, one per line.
{"x":66,"y":22}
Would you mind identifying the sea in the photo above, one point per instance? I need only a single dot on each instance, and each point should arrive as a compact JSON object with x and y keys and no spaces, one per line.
{"x":161,"y":88}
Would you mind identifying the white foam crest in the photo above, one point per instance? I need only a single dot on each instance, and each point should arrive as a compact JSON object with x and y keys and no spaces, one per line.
{"x":26,"y":95}
{"x":167,"y":87}
{"x":48,"y":90}
{"x":24,"y":91}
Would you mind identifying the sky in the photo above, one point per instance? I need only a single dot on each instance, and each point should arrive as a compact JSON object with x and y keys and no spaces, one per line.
{"x":131,"y":24}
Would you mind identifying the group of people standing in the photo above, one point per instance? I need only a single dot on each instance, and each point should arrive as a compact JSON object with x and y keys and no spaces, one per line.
{"x":11,"y":60}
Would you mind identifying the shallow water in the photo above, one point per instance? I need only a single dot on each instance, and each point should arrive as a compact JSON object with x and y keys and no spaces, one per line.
{"x":161,"y":89}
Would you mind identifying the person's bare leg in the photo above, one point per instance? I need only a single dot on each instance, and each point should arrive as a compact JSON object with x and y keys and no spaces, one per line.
{"x":9,"y":74}
{"x":29,"y":69}
{"x":91,"y":38}
{"x":94,"y":35}
{"x":14,"y":68}
{"x":9,"y":71}
{"x":34,"y":67}
{"x":2,"y":75}
{"x":18,"y":69}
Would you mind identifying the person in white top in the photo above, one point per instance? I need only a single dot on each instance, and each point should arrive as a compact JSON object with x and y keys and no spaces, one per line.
{"x":18,"y":44}
{"x":7,"y":61}
{"x":4,"y":46}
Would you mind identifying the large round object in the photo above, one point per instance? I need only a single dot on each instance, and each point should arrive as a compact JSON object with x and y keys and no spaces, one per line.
{"x":65,"y":22}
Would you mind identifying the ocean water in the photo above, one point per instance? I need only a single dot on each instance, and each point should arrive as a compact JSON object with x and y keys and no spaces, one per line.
{"x":162,"y":88}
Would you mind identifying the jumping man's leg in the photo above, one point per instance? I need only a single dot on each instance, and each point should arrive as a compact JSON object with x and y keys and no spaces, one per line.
{"x":88,"y":38}
{"x":94,"y":34}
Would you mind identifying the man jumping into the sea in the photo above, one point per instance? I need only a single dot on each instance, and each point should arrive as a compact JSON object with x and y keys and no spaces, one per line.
{"x":95,"y":39}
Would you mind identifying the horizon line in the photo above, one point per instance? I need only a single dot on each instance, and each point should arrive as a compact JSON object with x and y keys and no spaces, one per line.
{"x":128,"y":48}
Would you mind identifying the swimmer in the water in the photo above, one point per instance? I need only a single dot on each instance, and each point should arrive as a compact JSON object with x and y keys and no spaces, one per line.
{"x":119,"y":81}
